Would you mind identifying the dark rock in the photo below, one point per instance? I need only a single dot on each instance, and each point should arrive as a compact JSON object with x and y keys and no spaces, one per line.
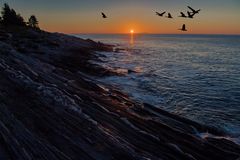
{"x":51,"y":107}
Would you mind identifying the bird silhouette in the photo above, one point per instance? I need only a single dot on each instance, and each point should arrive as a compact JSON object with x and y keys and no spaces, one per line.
{"x":103,"y":15}
{"x":183,"y":15}
{"x":193,"y":10}
{"x":183,"y":28}
{"x":169,"y":15}
{"x":190,"y":15}
{"x":160,"y":14}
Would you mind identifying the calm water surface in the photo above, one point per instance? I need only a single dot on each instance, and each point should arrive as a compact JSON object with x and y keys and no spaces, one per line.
{"x":195,"y":76}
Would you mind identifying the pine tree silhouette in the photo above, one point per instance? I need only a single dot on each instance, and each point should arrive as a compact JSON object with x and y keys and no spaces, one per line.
{"x":10,"y":17}
{"x":33,"y":22}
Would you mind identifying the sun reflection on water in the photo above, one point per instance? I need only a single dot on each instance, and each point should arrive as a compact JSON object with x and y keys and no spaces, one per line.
{"x":131,"y":39}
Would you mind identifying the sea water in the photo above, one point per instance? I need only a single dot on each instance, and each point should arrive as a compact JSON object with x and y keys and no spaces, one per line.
{"x":195,"y":76}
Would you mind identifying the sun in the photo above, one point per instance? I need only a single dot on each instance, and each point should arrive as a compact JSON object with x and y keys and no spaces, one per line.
{"x":132,"y":31}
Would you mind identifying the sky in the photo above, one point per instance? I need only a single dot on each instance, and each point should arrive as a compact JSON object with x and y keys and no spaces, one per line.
{"x":84,"y":16}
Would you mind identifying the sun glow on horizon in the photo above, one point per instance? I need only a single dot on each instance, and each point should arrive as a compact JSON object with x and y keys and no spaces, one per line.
{"x":131,"y":37}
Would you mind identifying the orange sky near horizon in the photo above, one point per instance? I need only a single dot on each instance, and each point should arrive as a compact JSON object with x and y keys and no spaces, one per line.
{"x":204,"y":23}
{"x":214,"y":18}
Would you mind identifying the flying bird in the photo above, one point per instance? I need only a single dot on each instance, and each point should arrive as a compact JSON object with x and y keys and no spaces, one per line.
{"x":160,"y":14}
{"x":183,"y":15}
{"x":193,"y":10}
{"x":169,"y":15}
{"x":190,"y":15}
{"x":103,"y":15}
{"x":183,"y":28}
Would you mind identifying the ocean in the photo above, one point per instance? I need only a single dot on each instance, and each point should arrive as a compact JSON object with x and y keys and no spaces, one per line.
{"x":195,"y":76}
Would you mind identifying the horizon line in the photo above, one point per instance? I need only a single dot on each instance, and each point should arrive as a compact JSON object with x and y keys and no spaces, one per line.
{"x":236,"y":34}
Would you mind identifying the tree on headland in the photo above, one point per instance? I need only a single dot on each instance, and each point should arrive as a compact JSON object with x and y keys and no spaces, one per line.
{"x":33,"y":22}
{"x":10,"y":17}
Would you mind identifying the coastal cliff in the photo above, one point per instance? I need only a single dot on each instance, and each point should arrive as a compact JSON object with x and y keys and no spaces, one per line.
{"x":51,"y":107}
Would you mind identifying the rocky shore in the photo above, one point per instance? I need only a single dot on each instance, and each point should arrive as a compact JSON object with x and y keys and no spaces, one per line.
{"x":52,"y":108}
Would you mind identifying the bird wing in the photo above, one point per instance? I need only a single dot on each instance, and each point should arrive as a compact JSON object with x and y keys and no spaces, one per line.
{"x":163,"y":13}
{"x":103,"y":14}
{"x":157,"y":13}
{"x":189,"y":14}
{"x":183,"y":26}
{"x":193,"y":13}
{"x":191,"y":8}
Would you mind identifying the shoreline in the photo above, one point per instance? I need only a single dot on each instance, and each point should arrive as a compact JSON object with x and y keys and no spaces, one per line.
{"x":51,"y":108}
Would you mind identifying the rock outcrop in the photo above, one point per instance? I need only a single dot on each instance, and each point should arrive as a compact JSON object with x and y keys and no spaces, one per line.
{"x":52,"y":108}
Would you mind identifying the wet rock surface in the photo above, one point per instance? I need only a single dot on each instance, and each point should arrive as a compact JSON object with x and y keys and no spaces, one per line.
{"x":51,"y":107}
